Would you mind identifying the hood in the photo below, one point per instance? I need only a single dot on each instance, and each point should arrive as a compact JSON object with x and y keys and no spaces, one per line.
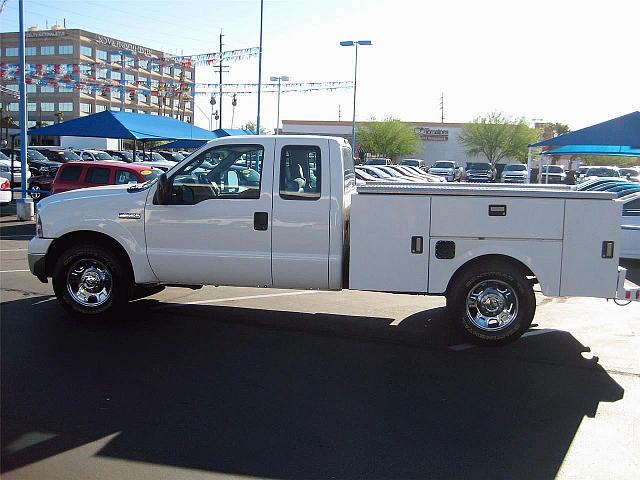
{"x":86,"y":194}
{"x":441,"y":169}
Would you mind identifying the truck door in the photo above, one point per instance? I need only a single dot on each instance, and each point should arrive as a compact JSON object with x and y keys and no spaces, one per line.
{"x":301,"y":203}
{"x":217,"y":227}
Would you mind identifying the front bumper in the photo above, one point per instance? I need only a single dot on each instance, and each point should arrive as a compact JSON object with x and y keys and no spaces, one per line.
{"x":36,"y":256}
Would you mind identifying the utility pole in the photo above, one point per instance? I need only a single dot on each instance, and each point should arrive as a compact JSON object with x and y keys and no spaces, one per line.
{"x":260,"y":68}
{"x":220,"y":65}
{"x":442,"y":108}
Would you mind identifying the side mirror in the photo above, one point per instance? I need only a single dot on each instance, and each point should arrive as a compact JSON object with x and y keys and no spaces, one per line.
{"x":163,"y":195}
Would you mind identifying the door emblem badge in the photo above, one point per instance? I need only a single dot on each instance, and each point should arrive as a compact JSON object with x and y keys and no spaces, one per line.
{"x":130,"y":215}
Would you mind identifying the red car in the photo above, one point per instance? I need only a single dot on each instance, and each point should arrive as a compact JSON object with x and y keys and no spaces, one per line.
{"x":73,"y":175}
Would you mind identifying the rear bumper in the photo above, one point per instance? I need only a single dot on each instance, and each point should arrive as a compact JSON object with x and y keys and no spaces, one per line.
{"x":626,"y":290}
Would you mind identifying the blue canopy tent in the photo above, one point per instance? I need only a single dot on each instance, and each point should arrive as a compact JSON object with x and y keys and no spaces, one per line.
{"x":620,"y":131}
{"x":126,"y":125}
{"x":221,"y":132}
{"x":613,"y":137}
{"x":609,"y":150}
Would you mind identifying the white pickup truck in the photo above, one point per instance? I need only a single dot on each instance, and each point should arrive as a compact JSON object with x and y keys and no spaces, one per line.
{"x":284,"y":212}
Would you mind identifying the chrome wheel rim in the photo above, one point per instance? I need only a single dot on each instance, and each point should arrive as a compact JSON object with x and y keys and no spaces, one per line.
{"x":35,"y":194}
{"x":89,"y":282}
{"x":492,"y":305}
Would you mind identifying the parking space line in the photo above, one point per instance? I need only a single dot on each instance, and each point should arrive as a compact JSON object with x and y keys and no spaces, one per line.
{"x":14,"y":250}
{"x":231,"y":299}
{"x":45,"y":300}
{"x":9,"y":237}
{"x":13,"y":271}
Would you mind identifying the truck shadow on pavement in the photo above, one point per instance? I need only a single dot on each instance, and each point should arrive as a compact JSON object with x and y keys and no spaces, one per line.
{"x":261,"y":393}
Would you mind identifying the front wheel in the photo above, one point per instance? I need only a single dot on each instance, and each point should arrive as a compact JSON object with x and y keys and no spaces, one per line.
{"x":493,"y":302}
{"x":35,"y":191}
{"x":90,"y":280}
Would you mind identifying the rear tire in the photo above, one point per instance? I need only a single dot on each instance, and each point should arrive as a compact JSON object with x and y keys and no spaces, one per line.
{"x":492,"y":302}
{"x":92,"y":281}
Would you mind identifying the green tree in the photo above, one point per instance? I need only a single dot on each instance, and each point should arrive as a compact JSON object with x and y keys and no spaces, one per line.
{"x":389,"y":138}
{"x":252,"y":127}
{"x":496,"y":137}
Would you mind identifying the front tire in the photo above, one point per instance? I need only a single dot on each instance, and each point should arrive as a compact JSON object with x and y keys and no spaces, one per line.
{"x":492,"y":302}
{"x":91,"y":280}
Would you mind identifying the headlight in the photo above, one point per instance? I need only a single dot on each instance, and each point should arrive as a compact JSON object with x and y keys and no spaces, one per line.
{"x":39,"y":233}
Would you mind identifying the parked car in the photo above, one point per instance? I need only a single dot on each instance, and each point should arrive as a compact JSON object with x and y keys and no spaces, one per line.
{"x":630,"y":240}
{"x":57,"y":154}
{"x":396,"y":173}
{"x":447,"y":169}
{"x":370,"y":174}
{"x":596,"y":181}
{"x":121,"y":155}
{"x":5,"y":169}
{"x":515,"y":173}
{"x":74,"y":175}
{"x":172,"y":156}
{"x":5,"y":191}
{"x":553,"y":174}
{"x":93,"y":155}
{"x":580,"y":173}
{"x":36,"y":162}
{"x":480,"y":172}
{"x":414,"y":162}
{"x":631,"y":173}
{"x":609,"y":172}
{"x":378,"y":161}
{"x":423,"y":174}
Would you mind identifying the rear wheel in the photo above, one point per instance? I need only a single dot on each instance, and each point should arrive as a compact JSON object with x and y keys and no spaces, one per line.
{"x":91,"y":280}
{"x":493,"y":302}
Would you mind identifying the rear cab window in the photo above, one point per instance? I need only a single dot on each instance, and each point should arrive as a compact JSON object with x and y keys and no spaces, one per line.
{"x":98,"y":175}
{"x":300,"y":172}
{"x":70,"y":173}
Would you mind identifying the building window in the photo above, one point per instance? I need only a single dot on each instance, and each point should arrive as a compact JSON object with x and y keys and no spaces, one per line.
{"x":143,"y":80}
{"x":65,"y":49}
{"x":13,"y":107}
{"x":101,"y":54}
{"x":100,"y":108}
{"x":187,"y":105}
{"x":30,"y":51}
{"x":142,"y":98}
{"x":116,"y":57}
{"x":11,"y":51}
{"x":85,"y":108}
{"x":128,"y":110}
{"x":85,"y":70}
{"x":187,"y":119}
{"x":116,"y":94}
{"x":31,"y":107}
{"x":14,"y":87}
{"x":166,"y":70}
{"x":86,"y":51}
{"x":47,"y":89}
{"x":116,"y":76}
{"x":47,"y":106}
{"x":31,"y":124}
{"x":31,"y":87}
{"x":153,"y":112}
{"x":47,"y":50}
{"x":101,"y":73}
{"x":65,"y":107}
{"x":154,"y":66}
{"x":128,"y":78}
{"x":177,"y":72}
{"x":188,"y":74}
{"x":154,"y":99}
{"x":143,"y":64}
{"x":65,"y":89}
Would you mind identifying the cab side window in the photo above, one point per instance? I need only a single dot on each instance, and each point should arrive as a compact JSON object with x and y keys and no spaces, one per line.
{"x":98,"y":175}
{"x":631,"y":209}
{"x":124,"y":177}
{"x":71,"y":173}
{"x":300,"y":170}
{"x":227,"y":171}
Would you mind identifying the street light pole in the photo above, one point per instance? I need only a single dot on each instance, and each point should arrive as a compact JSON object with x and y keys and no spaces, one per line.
{"x":260,"y":68}
{"x":279,"y":79}
{"x":354,"y":43}
{"x":24,"y":206}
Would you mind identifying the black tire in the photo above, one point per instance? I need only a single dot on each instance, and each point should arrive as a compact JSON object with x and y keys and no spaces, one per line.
{"x":491,"y":277}
{"x":80,"y":258}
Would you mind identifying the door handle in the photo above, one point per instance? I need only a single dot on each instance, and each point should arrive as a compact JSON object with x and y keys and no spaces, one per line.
{"x":260,"y":221}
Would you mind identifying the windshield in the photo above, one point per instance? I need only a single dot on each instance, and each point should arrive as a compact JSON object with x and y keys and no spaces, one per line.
{"x":602,"y":172}
{"x":377,"y":161}
{"x":127,"y":156}
{"x":444,"y":165}
{"x":628,"y":171}
{"x":35,"y":155}
{"x":515,"y":167}
{"x":69,"y":156}
{"x":103,"y":156}
{"x":553,"y":169}
{"x":154,"y":157}
{"x":478,"y":166}
{"x":413,"y":163}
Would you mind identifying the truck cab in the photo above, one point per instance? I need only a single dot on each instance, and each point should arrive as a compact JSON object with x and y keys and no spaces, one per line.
{"x":284,"y":212}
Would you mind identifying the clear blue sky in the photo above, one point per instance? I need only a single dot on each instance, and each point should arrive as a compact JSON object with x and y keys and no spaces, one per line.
{"x":544,"y":59}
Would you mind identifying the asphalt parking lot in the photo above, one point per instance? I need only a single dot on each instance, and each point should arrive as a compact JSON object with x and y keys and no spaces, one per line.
{"x":245,"y":383}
